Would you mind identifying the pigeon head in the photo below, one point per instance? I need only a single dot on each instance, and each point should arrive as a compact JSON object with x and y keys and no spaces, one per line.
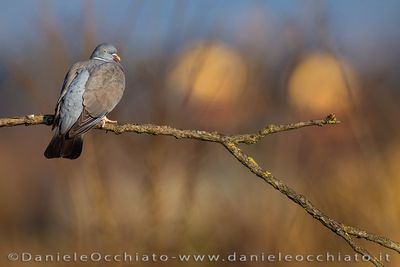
{"x":105,"y":52}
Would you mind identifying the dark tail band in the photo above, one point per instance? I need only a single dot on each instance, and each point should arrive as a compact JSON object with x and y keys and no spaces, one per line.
{"x":61,"y":147}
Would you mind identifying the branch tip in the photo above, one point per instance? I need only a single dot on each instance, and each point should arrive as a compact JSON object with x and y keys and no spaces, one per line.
{"x":331,"y":119}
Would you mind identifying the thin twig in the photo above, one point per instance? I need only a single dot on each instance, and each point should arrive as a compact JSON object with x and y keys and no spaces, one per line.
{"x":317,"y":214}
{"x":230,"y":142}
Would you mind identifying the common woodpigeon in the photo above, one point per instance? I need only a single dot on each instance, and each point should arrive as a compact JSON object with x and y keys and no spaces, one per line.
{"x":91,"y":89}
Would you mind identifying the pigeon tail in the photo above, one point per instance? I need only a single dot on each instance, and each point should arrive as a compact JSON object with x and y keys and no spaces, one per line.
{"x":62,"y":147}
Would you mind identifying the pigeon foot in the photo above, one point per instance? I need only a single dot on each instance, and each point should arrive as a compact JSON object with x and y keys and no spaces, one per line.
{"x":105,"y":120}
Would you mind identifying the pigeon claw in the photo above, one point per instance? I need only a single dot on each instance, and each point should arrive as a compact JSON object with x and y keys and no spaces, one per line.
{"x":106,"y":120}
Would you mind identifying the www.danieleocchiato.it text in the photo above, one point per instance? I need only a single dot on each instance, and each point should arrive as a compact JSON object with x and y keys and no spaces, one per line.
{"x":127,"y":257}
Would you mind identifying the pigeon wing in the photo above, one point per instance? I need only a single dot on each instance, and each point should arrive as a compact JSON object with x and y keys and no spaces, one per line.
{"x":70,"y":106}
{"x":69,"y":77}
{"x":103,"y":91}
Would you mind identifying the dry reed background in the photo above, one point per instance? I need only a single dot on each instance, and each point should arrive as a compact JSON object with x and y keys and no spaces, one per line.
{"x":233,"y":72}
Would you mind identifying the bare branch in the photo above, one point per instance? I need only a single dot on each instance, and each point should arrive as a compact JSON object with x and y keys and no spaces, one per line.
{"x":177,"y":133}
{"x":381,"y":240}
{"x":26,"y":120}
{"x":317,"y":214}
{"x":273,"y":128}
{"x":230,"y":142}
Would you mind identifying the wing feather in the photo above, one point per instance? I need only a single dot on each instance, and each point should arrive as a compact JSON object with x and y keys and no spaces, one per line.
{"x":69,"y":77}
{"x":71,"y":107}
{"x":104,"y":89}
{"x":84,"y":123}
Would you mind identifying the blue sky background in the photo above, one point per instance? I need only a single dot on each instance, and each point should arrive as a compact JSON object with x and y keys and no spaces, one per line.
{"x":367,"y":24}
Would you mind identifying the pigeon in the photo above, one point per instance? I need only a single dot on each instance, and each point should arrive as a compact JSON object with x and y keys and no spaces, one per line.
{"x":91,"y":89}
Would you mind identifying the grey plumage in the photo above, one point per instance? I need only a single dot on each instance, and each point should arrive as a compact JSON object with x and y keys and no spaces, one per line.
{"x":91,"y":89}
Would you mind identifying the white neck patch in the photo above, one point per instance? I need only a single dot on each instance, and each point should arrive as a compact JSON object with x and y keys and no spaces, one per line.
{"x":102,"y":59}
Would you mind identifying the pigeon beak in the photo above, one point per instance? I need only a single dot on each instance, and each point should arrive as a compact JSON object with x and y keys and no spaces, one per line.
{"x":116,"y":57}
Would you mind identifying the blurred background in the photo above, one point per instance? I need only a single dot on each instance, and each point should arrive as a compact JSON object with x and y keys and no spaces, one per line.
{"x":230,"y":66}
